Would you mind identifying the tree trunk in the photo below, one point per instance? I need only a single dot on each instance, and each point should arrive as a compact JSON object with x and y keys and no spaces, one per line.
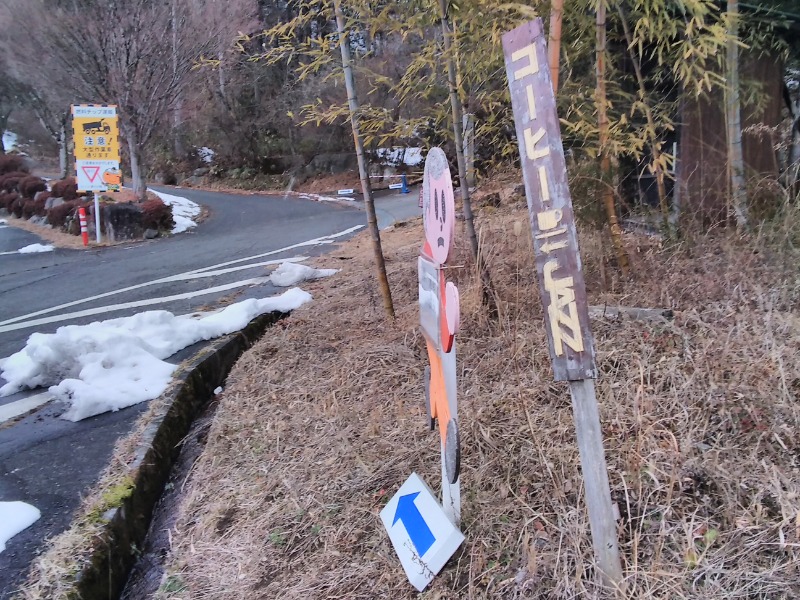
{"x":177,"y":111}
{"x":554,"y":40}
{"x":458,"y":119}
{"x":62,"y":150}
{"x":137,"y":177}
{"x":733,"y":117}
{"x":606,"y":189}
{"x":366,"y":187}
{"x":3,"y":124}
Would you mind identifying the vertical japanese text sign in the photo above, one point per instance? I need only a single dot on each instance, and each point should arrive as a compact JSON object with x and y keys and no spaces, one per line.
{"x":95,"y":131}
{"x":558,"y":262}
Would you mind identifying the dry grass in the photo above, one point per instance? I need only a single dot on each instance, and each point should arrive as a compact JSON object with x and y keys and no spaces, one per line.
{"x":323,"y":420}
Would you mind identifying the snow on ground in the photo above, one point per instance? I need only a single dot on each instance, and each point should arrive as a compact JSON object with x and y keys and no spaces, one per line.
{"x":34,"y":248}
{"x":183,"y":211}
{"x":206,"y":154}
{"x":9,"y":140}
{"x":14,"y":517}
{"x":398,"y":155}
{"x":108,"y":365}
{"x":290,"y":273}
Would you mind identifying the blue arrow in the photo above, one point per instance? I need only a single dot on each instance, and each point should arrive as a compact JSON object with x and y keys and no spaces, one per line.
{"x":415,"y":525}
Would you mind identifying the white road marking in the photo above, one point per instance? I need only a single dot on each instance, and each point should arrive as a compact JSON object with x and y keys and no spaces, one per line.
{"x":317,"y":241}
{"x":126,"y":305}
{"x":20,"y":407}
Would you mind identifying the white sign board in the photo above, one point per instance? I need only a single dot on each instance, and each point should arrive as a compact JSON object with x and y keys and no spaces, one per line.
{"x":95,"y":175}
{"x":422,"y":535}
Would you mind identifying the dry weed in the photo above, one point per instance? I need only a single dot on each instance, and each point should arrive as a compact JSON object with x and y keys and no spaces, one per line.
{"x":323,"y":420}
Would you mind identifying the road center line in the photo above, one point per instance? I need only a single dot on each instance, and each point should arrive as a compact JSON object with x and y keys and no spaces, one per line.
{"x":126,"y":305}
{"x":317,"y":241}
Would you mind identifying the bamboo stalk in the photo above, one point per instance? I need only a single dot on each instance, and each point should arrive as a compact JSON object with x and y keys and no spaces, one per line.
{"x":366,"y":187}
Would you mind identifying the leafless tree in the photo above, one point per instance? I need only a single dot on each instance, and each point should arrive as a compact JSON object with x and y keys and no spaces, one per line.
{"x":137,"y":54}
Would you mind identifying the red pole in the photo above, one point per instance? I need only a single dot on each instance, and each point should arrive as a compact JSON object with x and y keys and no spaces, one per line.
{"x":84,"y":229}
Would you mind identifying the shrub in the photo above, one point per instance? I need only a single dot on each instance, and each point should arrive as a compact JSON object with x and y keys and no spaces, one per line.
{"x":10,"y":181}
{"x":10,"y":163}
{"x":45,"y":196}
{"x":17,"y":205}
{"x":30,"y":185}
{"x":27,"y":208}
{"x":65,"y":188}
{"x":7,"y":199}
{"x":57,"y":216}
{"x":157,"y":215}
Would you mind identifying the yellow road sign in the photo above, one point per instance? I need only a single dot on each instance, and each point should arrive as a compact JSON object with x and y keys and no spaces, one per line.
{"x":95,"y":130}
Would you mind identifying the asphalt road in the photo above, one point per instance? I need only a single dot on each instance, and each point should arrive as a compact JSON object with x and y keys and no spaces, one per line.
{"x":50,"y":462}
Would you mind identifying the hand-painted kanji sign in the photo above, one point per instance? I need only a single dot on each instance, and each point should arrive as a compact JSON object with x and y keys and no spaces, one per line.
{"x":544,"y":171}
{"x":95,"y":131}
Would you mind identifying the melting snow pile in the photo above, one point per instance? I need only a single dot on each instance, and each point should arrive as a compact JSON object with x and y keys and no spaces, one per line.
{"x":398,"y":155}
{"x":9,"y":140}
{"x":289,"y":274}
{"x":206,"y":154}
{"x":183,"y":211}
{"x":34,"y":248}
{"x":14,"y":517}
{"x":113,"y":364}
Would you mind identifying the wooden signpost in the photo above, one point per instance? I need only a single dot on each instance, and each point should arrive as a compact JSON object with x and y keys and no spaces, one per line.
{"x":558,"y":265}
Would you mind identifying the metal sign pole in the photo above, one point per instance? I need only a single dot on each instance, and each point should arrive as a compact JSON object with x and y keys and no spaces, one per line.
{"x":97,"y":216}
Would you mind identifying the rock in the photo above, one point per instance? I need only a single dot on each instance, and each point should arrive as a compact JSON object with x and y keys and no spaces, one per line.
{"x":38,"y":220}
{"x":200,"y":172}
{"x":150,"y":234}
{"x":123,"y":221}
{"x":52,"y":203}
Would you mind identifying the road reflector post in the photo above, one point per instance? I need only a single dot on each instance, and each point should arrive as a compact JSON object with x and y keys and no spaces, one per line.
{"x":84,"y":227}
{"x":558,"y":266}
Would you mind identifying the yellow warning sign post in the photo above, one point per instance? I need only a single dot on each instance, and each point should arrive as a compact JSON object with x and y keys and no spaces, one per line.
{"x":95,"y":132}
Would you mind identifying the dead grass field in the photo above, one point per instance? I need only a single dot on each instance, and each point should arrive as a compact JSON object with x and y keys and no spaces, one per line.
{"x":323,"y":419}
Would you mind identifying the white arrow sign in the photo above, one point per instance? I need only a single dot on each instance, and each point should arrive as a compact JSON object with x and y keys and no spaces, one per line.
{"x":422,"y":535}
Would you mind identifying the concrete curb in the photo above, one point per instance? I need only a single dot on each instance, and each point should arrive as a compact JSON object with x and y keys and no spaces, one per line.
{"x":113,"y":555}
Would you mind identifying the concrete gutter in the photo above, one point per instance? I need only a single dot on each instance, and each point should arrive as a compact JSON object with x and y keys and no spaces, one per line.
{"x":113,"y":556}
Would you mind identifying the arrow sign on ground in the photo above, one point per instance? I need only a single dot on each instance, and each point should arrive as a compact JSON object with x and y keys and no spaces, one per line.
{"x":418,"y":530}
{"x":91,"y":173}
{"x":424,"y":538}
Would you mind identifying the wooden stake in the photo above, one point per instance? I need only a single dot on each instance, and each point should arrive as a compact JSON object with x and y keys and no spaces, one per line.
{"x":595,"y":480}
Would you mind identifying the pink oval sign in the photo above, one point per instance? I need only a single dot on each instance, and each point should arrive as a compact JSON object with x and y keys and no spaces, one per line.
{"x":438,"y":205}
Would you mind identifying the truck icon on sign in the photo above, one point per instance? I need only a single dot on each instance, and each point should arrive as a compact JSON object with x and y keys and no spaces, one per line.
{"x":97,"y":127}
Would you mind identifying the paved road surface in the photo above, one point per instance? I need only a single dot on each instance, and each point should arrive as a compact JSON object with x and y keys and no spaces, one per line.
{"x":49,"y":462}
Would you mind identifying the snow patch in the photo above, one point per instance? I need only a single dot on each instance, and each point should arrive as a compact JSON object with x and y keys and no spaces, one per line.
{"x":184,"y":211}
{"x":34,"y":248}
{"x":206,"y":154}
{"x":108,"y":365}
{"x":289,"y":274}
{"x":9,"y":140}
{"x":15,"y":517}
{"x":398,"y":155}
